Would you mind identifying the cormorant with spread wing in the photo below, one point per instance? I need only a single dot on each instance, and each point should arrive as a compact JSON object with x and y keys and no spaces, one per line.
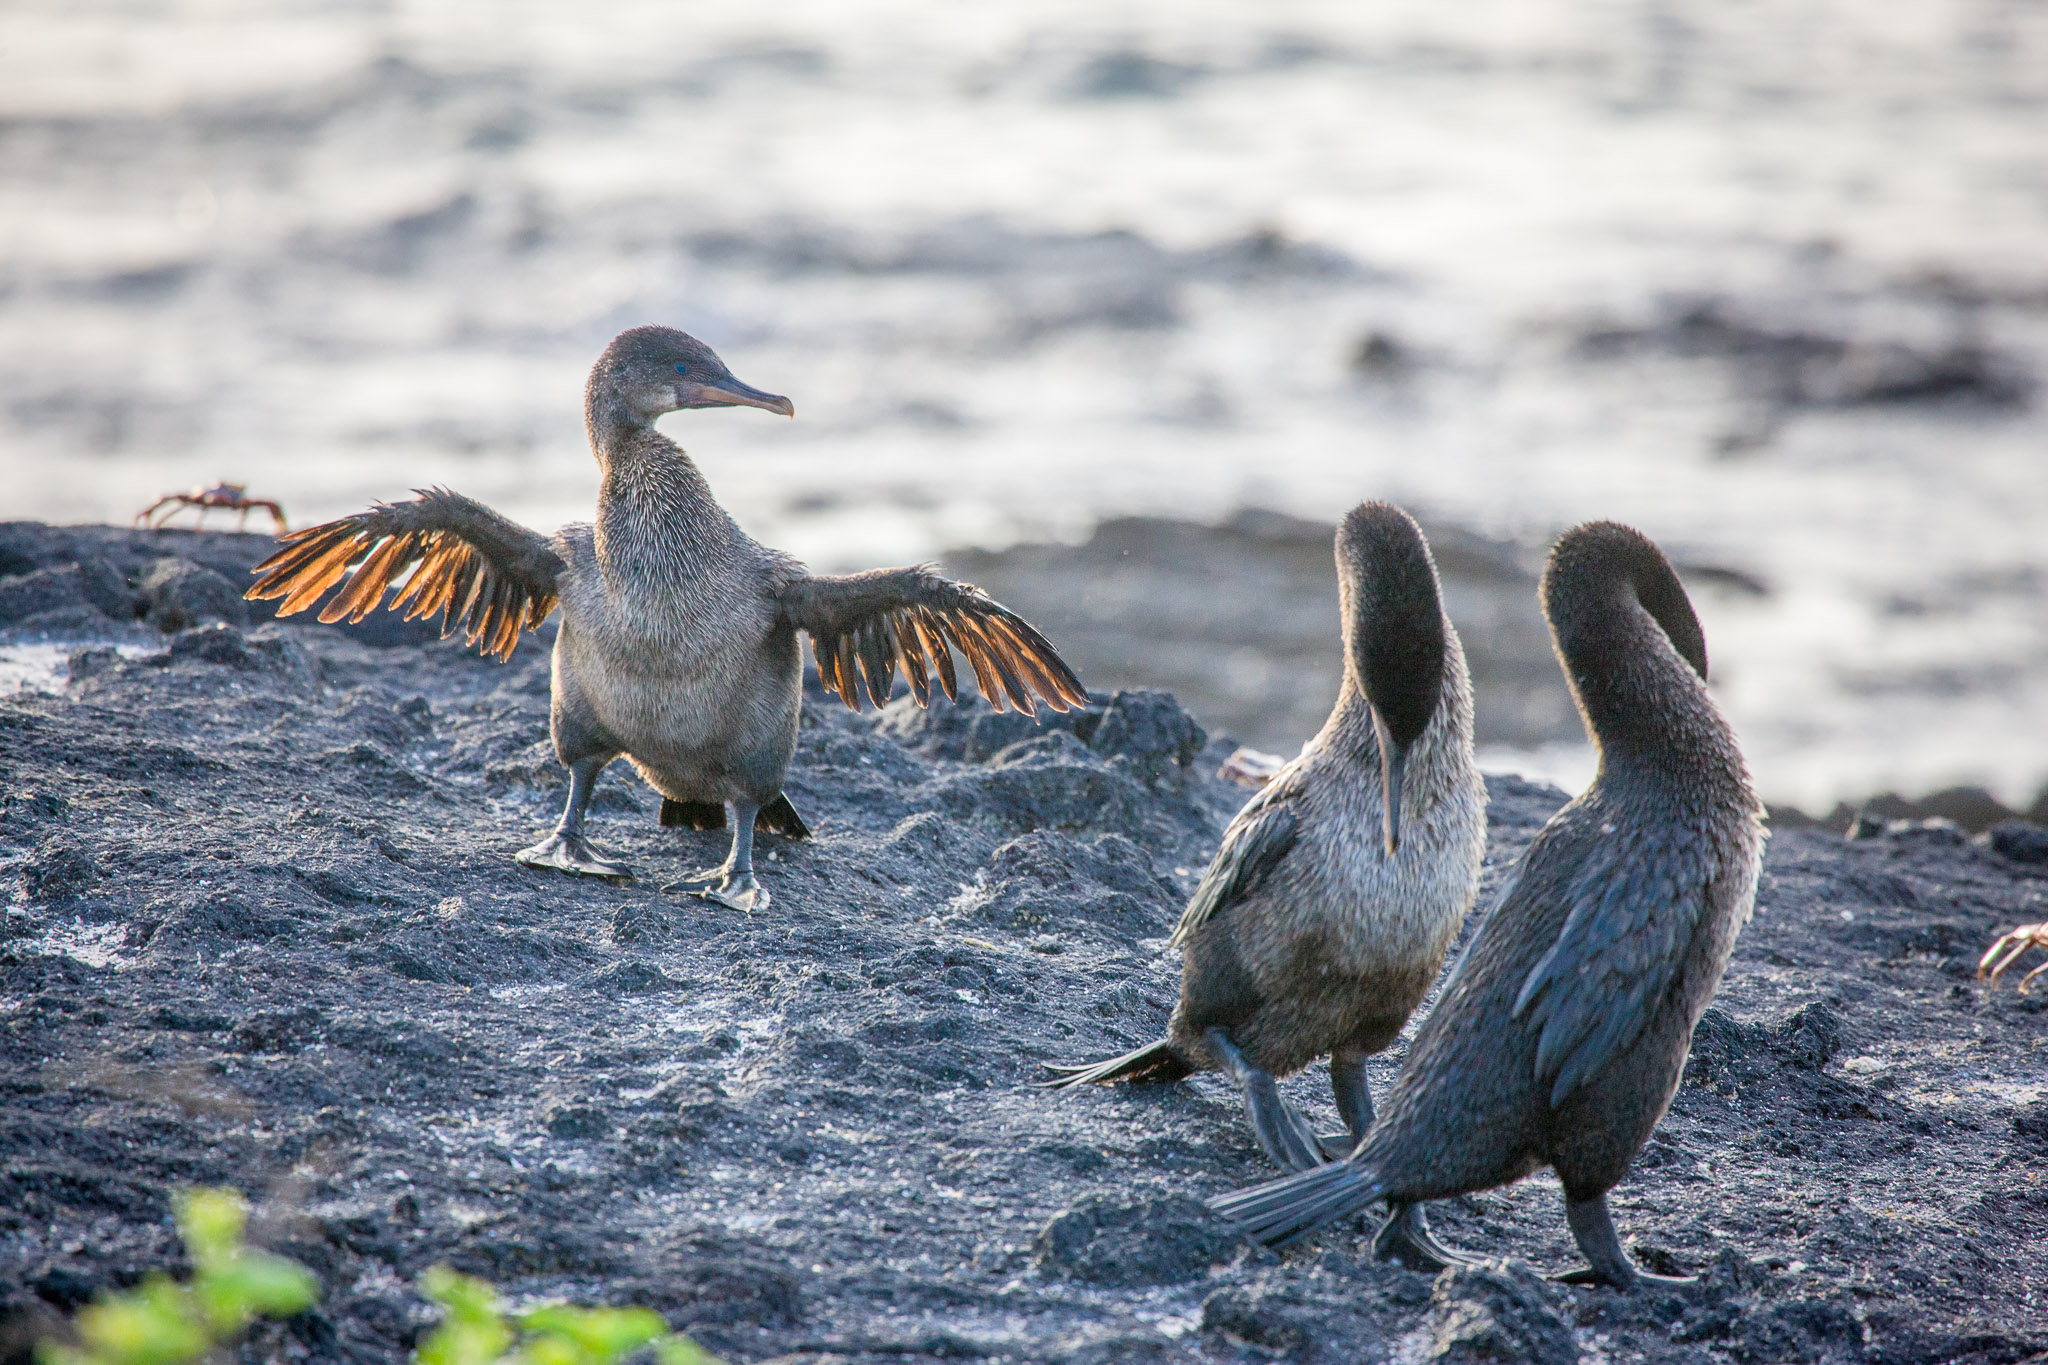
{"x":677,"y":644}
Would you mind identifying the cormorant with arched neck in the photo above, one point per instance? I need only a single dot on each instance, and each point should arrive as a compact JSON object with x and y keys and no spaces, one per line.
{"x":1560,"y":1038}
{"x":1325,"y":916}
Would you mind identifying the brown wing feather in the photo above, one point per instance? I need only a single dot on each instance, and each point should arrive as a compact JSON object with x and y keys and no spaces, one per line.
{"x":363,"y":591}
{"x":989,"y":648}
{"x":878,"y":659}
{"x":849,"y":671}
{"x":1020,"y":657}
{"x":305,"y":587}
{"x":935,"y":642}
{"x":300,"y":549}
{"x":864,"y":626}
{"x":447,"y":554}
{"x":911,"y":645}
{"x":427,"y":581}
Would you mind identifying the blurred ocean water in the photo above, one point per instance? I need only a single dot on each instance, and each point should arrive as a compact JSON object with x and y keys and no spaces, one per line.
{"x":1768,"y":280}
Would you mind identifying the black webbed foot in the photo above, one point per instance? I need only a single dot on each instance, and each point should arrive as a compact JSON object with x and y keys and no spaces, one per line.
{"x":1336,"y":1146}
{"x":1587,"y":1276}
{"x":1406,"y":1240}
{"x":573,"y":853}
{"x":1284,"y":1133}
{"x":1607,"y":1264}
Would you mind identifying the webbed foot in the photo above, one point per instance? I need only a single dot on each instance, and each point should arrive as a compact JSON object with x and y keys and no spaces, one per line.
{"x":573,"y":853}
{"x":1607,"y":1264}
{"x":1406,"y":1240}
{"x":1286,"y":1136}
{"x":1636,"y":1279}
{"x":733,"y":890}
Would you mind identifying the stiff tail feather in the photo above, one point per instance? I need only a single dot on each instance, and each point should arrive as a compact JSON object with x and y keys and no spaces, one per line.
{"x":780,"y":817}
{"x":777,"y":817}
{"x":691,"y":814}
{"x":1282,"y":1212}
{"x":1153,"y":1063}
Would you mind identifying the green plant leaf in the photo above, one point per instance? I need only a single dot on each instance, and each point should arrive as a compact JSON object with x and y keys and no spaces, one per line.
{"x":550,"y":1350}
{"x":212,"y":1222}
{"x":460,"y":1342}
{"x":464,"y":1296}
{"x":474,"y":1332}
{"x":599,"y":1335}
{"x":165,"y":1323}
{"x":155,"y":1324}
{"x":254,"y":1283}
{"x":680,"y":1350}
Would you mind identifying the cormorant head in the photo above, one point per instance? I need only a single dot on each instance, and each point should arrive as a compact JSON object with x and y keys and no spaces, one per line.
{"x":654,"y":370}
{"x":1394,"y":637}
{"x":1607,"y":553}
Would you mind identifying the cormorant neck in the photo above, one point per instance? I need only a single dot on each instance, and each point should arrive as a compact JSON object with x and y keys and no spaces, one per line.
{"x":610,"y":420}
{"x":1394,"y":647}
{"x":1634,"y":655}
{"x":656,"y":515}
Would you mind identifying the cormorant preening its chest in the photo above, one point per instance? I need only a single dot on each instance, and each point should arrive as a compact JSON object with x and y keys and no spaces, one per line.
{"x":1325,"y":915}
{"x":677,"y":647}
{"x":1561,"y":1035}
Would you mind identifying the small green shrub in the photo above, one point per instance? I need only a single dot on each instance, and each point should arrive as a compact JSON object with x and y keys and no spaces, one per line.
{"x":162,"y":1322}
{"x":477,"y":1331}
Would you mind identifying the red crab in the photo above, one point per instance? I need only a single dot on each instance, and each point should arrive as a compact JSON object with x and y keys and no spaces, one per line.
{"x":226,"y":496}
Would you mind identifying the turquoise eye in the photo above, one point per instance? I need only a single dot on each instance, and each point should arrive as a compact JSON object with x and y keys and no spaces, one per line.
{"x":682,"y":369}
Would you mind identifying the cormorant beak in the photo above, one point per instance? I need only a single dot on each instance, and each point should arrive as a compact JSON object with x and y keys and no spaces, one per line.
{"x":1393,"y":765}
{"x":730,"y":393}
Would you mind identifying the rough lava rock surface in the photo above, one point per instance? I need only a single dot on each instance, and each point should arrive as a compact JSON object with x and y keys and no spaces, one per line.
{"x":265,"y":930}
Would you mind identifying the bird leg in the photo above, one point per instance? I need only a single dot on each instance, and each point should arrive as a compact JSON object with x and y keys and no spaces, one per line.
{"x":732,"y":884}
{"x":1405,"y":1239}
{"x":1354,"y":1104}
{"x":2012,"y":946}
{"x":566,"y":849}
{"x":1283,"y":1134}
{"x":1593,"y":1228}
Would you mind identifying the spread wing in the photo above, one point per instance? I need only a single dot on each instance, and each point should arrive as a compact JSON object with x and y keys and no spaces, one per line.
{"x":1634,"y":906}
{"x":1252,"y":847}
{"x":488,"y":577}
{"x":863,"y":625}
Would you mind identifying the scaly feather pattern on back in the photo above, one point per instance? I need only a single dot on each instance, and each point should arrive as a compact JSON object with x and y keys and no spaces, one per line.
{"x":1635,"y":901}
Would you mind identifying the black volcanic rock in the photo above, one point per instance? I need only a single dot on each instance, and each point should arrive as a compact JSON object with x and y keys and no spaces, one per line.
{"x":266,"y":931}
